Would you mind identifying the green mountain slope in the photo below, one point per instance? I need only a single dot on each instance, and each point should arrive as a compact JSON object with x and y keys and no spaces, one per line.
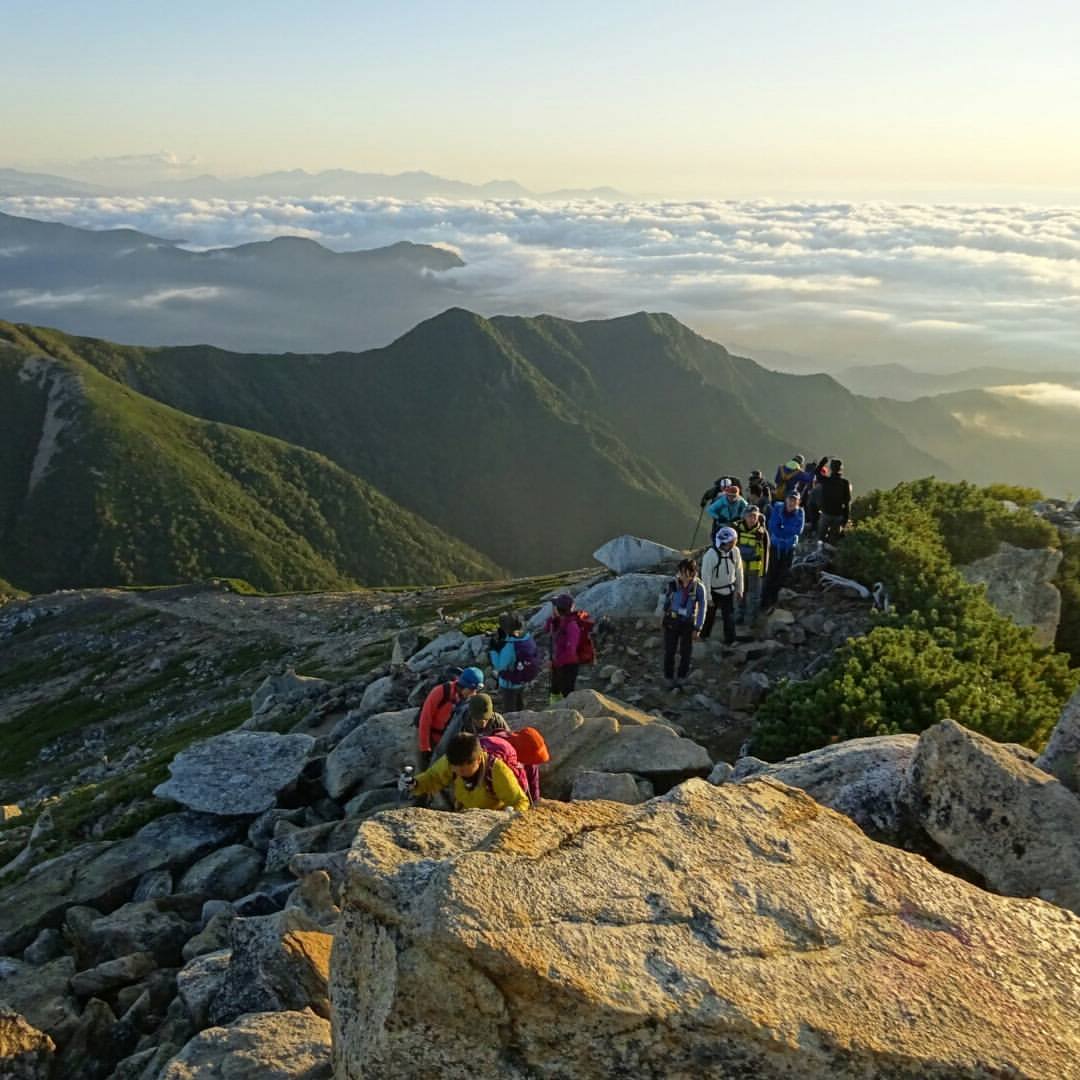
{"x":450,"y":421}
{"x":101,"y":485}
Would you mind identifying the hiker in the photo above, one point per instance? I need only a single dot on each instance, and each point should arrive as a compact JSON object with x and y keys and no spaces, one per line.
{"x":516,"y":661}
{"x":686,"y":604}
{"x":722,"y":573}
{"x":571,"y":646}
{"x":786,"y":523}
{"x":479,"y":773}
{"x":726,"y":509}
{"x":720,"y":486}
{"x":792,"y":476}
{"x":754,"y":549}
{"x":439,"y":706}
{"x":835,"y":503}
{"x":759,"y":491}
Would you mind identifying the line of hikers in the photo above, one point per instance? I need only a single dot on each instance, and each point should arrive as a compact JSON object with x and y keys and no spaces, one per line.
{"x":467,"y":746}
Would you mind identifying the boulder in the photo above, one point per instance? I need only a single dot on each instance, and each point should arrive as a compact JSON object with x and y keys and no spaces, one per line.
{"x":593,"y":703}
{"x":48,"y":945}
{"x":123,"y":971}
{"x":626,"y":554}
{"x":379,"y":696}
{"x":602,"y":744}
{"x":103,"y":872}
{"x":617,"y":787}
{"x":452,"y":647}
{"x":260,"y":1046}
{"x":373,"y":754}
{"x":152,"y":926}
{"x":1015,"y":825}
{"x":199,"y":981}
{"x":1061,"y":757}
{"x":741,"y":930}
{"x":1019,"y":584}
{"x":314,"y":896}
{"x":25,"y":1052}
{"x":287,"y":687}
{"x":154,"y":884}
{"x":214,"y":936}
{"x":42,"y":994}
{"x":289,"y":843}
{"x":866,"y":779}
{"x":749,"y":690}
{"x":278,"y":962}
{"x":240,"y":772}
{"x":632,"y":596}
{"x":225,"y":874}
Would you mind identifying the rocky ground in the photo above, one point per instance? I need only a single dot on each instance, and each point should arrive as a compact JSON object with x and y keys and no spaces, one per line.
{"x":180,"y":806}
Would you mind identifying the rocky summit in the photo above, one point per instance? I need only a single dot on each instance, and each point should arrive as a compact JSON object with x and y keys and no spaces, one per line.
{"x":207,"y":869}
{"x":726,"y":932}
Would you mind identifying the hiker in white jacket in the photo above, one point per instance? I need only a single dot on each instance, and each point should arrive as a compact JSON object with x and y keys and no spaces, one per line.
{"x":722,"y":574}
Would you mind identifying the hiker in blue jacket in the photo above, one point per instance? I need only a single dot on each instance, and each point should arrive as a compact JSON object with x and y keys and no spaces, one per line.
{"x":786,"y":524}
{"x":515,"y":658}
{"x":727,"y":508}
{"x":686,"y":603}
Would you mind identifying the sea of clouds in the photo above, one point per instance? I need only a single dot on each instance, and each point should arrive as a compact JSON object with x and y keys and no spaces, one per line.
{"x":938,"y":287}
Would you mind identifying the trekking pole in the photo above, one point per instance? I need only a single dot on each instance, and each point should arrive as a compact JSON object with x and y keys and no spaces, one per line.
{"x":693,"y":539}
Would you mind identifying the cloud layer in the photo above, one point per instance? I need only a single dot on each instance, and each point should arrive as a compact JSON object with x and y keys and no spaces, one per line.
{"x":935,"y":287}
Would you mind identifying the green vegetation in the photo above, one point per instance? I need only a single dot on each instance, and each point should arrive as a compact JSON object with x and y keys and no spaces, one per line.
{"x":140,"y":493}
{"x":1068,"y":582}
{"x":944,"y":651}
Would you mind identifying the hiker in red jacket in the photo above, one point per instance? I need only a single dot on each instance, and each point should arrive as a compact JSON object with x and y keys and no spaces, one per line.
{"x":439,"y":706}
{"x":569,"y":639}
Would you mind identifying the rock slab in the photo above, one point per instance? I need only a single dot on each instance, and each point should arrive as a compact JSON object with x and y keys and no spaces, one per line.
{"x":1019,"y":584}
{"x":627,"y":553}
{"x":632,"y":596}
{"x":238,"y":773}
{"x":1061,"y":757}
{"x":1014,"y":824}
{"x":741,"y":930}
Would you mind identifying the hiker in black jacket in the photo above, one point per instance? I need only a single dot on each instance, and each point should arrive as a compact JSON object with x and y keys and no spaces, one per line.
{"x":835,"y":503}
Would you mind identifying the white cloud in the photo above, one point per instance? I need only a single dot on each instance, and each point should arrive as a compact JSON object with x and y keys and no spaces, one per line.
{"x":47,"y":298}
{"x":931,"y":286}
{"x":1048,"y":394}
{"x":194,"y":294}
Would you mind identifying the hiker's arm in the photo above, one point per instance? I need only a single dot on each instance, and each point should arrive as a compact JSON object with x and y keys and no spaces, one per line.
{"x":434,"y":779}
{"x":507,"y":789}
{"x":427,"y":717}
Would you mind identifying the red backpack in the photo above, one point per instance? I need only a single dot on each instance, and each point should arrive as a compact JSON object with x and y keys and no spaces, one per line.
{"x":586,"y":652}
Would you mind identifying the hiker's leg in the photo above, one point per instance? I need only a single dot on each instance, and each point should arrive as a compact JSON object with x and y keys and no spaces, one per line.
{"x":512,"y":699}
{"x":556,"y":684}
{"x":671,"y":639}
{"x":710,"y":617}
{"x":569,"y":681}
{"x":752,"y":596}
{"x":686,"y":649}
{"x":727,"y":614}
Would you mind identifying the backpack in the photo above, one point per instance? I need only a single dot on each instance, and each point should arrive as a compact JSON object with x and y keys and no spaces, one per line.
{"x":498,"y":746}
{"x":529,"y":745}
{"x":726,"y":576}
{"x":449,"y":677}
{"x":586,"y":651}
{"x":526,"y":663}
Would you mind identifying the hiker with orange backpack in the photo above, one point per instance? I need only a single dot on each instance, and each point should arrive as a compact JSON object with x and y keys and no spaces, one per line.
{"x":482,"y":772}
{"x":571,"y":645}
{"x":439,"y":706}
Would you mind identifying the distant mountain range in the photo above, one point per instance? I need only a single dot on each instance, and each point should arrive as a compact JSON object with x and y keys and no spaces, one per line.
{"x":530,"y":441}
{"x":297,"y":183}
{"x":905,"y":384}
{"x":286,"y":293}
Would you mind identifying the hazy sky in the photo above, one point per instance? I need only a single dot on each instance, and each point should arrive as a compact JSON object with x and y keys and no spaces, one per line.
{"x":921,"y":100}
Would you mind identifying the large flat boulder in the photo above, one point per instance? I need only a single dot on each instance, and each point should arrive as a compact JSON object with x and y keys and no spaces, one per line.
{"x":866,"y":779}
{"x":593,"y":703}
{"x":626,"y":554}
{"x":714,"y":932}
{"x":1014,"y":824}
{"x":373,"y":754}
{"x":1019,"y":584}
{"x":1061,"y":757}
{"x":42,"y":995}
{"x":240,"y":772}
{"x":103,"y":873}
{"x":631,"y":596}
{"x":580,"y":744}
{"x":260,"y":1046}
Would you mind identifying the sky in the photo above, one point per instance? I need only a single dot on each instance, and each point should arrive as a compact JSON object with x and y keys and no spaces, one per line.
{"x":964,"y":101}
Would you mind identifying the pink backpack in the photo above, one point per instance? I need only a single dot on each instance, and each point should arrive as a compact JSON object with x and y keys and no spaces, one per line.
{"x":496,"y":747}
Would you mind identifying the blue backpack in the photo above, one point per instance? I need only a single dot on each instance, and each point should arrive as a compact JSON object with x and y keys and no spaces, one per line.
{"x":526,"y":662}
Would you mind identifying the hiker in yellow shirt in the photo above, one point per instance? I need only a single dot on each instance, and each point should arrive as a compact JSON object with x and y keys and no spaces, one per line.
{"x":481,"y":779}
